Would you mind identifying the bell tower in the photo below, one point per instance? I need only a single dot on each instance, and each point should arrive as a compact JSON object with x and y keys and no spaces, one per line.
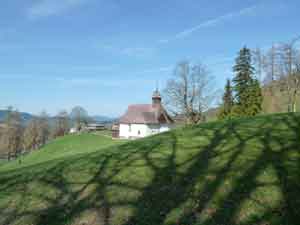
{"x":156,"y":98}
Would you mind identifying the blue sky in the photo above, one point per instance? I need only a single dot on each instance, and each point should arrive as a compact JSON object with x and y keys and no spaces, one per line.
{"x":106,"y":54}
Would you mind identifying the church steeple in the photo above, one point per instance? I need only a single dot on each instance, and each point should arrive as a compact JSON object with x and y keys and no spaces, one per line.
{"x":156,"y":98}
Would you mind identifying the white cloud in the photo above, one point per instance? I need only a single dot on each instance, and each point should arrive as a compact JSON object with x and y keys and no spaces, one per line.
{"x":44,"y":8}
{"x":211,"y":23}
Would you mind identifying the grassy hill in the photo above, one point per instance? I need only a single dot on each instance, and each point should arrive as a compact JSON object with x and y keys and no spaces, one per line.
{"x":242,"y":172}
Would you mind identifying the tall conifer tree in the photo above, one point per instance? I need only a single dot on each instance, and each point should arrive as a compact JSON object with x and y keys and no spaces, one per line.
{"x":228,"y":101}
{"x":247,"y":89}
{"x":243,"y":75}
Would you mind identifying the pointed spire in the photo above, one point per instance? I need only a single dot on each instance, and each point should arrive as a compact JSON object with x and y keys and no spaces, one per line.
{"x":156,"y":97}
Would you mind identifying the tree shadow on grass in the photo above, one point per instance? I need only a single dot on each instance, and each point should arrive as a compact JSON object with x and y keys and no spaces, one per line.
{"x":238,"y":172}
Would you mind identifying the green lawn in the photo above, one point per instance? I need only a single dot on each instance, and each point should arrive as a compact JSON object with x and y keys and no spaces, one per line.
{"x":241,"y":172}
{"x":106,"y":133}
{"x":64,"y":148}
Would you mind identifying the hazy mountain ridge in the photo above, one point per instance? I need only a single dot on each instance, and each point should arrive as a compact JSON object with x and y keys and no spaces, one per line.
{"x":25,"y":116}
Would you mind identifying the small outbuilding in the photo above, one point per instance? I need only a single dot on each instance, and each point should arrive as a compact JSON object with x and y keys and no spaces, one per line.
{"x":115,"y":131}
{"x":91,"y":127}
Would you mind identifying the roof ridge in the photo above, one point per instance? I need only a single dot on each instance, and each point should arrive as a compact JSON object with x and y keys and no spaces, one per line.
{"x":139,"y":104}
{"x":146,"y":114}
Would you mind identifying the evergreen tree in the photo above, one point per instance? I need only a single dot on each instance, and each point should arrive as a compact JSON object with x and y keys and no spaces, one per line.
{"x":255,"y":98}
{"x":243,"y":82}
{"x":228,"y":101}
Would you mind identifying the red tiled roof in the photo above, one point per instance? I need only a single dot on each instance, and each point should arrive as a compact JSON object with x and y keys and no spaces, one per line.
{"x":146,"y":114}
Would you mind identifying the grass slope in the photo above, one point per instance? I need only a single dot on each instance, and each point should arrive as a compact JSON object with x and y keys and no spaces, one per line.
{"x":63,"y":148}
{"x":240,"y":172}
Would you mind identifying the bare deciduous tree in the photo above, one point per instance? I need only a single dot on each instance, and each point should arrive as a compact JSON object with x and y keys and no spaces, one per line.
{"x":43,"y":128}
{"x":258,"y":62}
{"x":80,"y":115}
{"x":281,"y":70}
{"x":61,"y":124}
{"x":30,"y":141}
{"x":271,"y":72}
{"x":13,"y":132}
{"x":191,"y":92}
{"x":290,"y":76}
{"x":37,"y":132}
{"x":272,"y":64}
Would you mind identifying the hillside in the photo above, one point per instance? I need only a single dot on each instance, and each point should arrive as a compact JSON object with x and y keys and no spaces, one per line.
{"x":241,"y":172}
{"x":25,"y":117}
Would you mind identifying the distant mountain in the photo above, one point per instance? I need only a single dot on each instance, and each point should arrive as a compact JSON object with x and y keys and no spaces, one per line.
{"x":24,"y":116}
{"x":103,"y":119}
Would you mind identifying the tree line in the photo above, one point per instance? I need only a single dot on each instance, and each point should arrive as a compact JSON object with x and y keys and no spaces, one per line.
{"x":273,"y":78}
{"x":264,"y":81}
{"x":244,"y":97}
{"x":17,"y":137}
{"x":279,"y":69}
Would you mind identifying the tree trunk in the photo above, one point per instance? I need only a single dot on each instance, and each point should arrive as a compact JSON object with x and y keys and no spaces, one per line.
{"x":294,"y":104}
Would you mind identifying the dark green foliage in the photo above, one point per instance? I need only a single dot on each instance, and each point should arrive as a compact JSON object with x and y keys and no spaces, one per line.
{"x":248,"y":95}
{"x":243,"y":77}
{"x":228,"y":102}
{"x":255,"y":98}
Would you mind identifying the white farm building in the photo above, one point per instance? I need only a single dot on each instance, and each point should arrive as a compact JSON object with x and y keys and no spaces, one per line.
{"x":145,"y":119}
